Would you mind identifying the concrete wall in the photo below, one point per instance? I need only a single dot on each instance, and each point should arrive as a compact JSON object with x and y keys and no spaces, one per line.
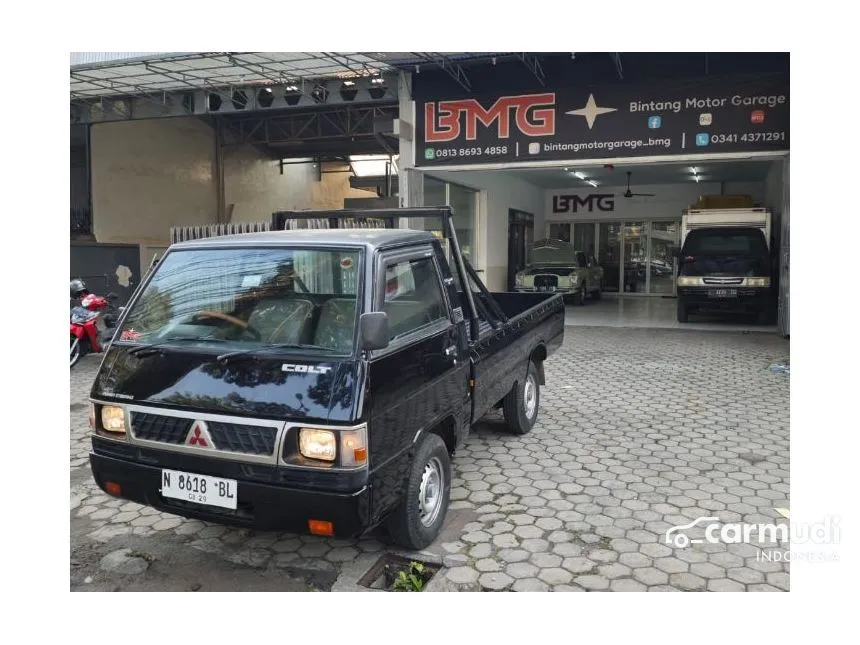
{"x":149,"y":175}
{"x":255,"y":187}
{"x":498,"y":194}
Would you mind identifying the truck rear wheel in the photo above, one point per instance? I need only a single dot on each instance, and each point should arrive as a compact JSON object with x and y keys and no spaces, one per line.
{"x":522,"y":402}
{"x":419,"y":518}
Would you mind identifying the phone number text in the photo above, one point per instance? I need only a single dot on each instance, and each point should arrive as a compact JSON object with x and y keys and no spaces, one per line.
{"x":442,"y":153}
{"x":748,"y":137}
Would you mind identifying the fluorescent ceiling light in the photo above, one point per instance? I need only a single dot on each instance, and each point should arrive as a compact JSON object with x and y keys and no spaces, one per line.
{"x":372,"y":165}
{"x":578,"y":174}
{"x":592,"y":182}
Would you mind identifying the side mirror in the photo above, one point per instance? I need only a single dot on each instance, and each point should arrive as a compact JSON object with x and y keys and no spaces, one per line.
{"x":373,"y":330}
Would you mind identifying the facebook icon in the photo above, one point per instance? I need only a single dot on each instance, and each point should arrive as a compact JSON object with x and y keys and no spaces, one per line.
{"x":655,"y":122}
{"x":703,"y":139}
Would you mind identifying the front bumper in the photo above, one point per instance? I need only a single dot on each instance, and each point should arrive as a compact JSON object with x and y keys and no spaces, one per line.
{"x":746,"y":300}
{"x":265,"y":506}
{"x":546,"y":289}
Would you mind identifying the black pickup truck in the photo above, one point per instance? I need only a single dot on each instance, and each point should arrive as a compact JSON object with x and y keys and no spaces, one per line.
{"x":313,"y":380}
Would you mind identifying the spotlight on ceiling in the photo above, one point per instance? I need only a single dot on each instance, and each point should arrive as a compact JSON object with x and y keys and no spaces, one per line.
{"x":292,"y":94}
{"x":214,"y":101}
{"x":240,"y":99}
{"x":378,"y":87}
{"x":348,"y":91}
{"x":265,"y":97}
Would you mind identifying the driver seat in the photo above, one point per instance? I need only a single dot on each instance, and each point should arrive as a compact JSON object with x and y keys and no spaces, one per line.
{"x":285,"y":320}
{"x":336,"y":326}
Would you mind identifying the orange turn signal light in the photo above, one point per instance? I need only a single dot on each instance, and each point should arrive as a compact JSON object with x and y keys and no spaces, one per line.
{"x":319,"y":527}
{"x":360,"y":455}
{"x":113,"y":488}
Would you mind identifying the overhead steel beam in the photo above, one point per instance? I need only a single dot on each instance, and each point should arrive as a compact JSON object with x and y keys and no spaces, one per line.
{"x":533,"y":64}
{"x":450,"y":67}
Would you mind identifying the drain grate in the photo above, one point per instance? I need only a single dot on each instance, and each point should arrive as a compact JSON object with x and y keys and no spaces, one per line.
{"x":382,"y":574}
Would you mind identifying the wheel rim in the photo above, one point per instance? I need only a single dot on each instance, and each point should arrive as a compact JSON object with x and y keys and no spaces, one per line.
{"x":430,"y":492}
{"x":530,"y":396}
{"x":74,"y":351}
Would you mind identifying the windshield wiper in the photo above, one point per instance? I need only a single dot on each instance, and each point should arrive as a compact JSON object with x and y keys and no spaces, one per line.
{"x":179,"y":339}
{"x":264,"y":348}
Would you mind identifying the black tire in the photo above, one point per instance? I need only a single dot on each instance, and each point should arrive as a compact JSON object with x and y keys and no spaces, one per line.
{"x":76,"y":350}
{"x":516,"y":404}
{"x":683,"y":314}
{"x":598,"y":293}
{"x":406,"y":526}
{"x":762,"y":317}
{"x":579,"y":297}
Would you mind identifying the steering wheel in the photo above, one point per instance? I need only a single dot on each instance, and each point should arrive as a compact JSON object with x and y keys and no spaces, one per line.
{"x":230,"y":319}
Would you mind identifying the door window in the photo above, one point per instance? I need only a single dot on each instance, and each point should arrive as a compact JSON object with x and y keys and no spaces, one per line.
{"x":413,"y":296}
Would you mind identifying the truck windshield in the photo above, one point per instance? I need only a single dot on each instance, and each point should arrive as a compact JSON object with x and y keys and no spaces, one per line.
{"x":240,"y":299}
{"x":740,"y":252}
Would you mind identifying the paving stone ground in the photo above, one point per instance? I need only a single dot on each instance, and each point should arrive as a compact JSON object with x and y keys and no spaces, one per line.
{"x":639,"y":431}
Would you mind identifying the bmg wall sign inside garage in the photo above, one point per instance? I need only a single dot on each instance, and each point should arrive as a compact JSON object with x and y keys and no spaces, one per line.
{"x":692,"y":117}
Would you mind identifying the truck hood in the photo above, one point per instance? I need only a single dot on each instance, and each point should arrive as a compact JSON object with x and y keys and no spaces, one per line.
{"x":280,"y":388}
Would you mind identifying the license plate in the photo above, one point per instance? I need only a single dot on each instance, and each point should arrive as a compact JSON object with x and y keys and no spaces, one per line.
{"x":723,"y":293}
{"x":200,"y":489}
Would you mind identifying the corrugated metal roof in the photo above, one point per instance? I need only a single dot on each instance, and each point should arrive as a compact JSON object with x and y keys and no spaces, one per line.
{"x":103,"y":74}
{"x":98,"y":58}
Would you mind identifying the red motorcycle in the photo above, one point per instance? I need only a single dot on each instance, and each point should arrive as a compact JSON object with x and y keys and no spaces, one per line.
{"x":90,"y":323}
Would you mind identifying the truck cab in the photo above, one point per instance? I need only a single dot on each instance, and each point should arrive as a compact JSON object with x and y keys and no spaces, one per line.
{"x":316,"y":381}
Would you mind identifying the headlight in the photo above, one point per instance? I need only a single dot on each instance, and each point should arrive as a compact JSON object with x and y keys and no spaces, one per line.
{"x":317,"y":444}
{"x":113,"y":419}
{"x":519,"y":280}
{"x":757,"y":282}
{"x":689,"y":281}
{"x":573,"y":278}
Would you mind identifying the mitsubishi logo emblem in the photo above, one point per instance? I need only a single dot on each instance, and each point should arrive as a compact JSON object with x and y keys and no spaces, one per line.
{"x":199,"y":435}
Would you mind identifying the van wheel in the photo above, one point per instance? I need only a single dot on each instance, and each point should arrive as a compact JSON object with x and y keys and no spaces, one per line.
{"x":579,"y":298}
{"x":762,"y":317}
{"x":522,"y":402}
{"x":683,"y":315}
{"x":419,"y":518}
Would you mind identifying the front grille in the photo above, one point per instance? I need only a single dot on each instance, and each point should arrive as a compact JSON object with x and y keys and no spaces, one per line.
{"x":251,"y":440}
{"x":546,"y":281}
{"x":155,"y":427}
{"x":720,"y":280}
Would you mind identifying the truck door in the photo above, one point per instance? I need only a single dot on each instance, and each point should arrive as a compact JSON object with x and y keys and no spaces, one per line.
{"x":420,"y":377}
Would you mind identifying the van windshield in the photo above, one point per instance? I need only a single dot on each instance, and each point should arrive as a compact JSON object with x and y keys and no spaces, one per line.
{"x":240,"y":299}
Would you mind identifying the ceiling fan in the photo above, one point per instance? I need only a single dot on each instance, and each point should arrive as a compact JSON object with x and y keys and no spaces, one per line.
{"x":630,"y":194}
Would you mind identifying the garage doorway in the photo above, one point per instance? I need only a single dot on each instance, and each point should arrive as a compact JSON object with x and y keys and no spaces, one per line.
{"x":521,"y":233}
{"x":640,"y":251}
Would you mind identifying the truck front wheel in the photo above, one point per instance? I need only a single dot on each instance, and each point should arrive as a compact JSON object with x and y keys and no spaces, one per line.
{"x":419,"y":518}
{"x":521,"y":403}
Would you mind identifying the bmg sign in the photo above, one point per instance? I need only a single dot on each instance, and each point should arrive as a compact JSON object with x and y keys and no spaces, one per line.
{"x":589,"y":203}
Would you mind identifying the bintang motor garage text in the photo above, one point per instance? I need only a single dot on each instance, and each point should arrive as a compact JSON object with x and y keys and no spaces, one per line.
{"x":698,"y":104}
